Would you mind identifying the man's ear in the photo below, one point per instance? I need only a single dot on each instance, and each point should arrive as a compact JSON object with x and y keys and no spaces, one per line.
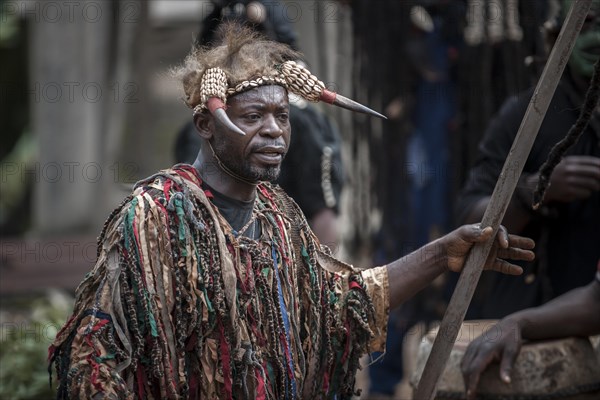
{"x":204,"y":124}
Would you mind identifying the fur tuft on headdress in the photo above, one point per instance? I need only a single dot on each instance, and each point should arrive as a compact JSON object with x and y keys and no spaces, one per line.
{"x":241,"y":53}
{"x":243,"y":60}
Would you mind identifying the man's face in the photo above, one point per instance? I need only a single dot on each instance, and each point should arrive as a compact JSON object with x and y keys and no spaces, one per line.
{"x":263,"y":114}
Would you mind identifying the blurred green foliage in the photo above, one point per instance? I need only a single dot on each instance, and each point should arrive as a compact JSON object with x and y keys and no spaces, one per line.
{"x":28,"y":328}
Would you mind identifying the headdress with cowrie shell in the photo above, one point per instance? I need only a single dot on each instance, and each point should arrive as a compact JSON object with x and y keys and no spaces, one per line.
{"x":245,"y":60}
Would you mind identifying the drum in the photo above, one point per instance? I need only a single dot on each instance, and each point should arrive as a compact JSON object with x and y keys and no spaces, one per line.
{"x":565,"y":369}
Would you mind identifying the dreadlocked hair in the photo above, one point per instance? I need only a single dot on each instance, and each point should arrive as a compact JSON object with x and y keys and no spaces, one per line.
{"x":241,"y":53}
{"x":559,"y":149}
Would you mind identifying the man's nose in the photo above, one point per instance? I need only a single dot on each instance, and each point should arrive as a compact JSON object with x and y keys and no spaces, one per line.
{"x":271,"y":126}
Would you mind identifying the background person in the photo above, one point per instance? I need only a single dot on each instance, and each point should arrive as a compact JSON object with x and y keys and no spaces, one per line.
{"x":576,"y":313}
{"x":570,"y":215}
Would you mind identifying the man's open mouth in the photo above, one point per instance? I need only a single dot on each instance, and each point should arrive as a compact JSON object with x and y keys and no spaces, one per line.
{"x":270,"y":154}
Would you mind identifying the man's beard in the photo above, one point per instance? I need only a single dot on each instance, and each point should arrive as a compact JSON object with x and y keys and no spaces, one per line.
{"x":242,"y":167}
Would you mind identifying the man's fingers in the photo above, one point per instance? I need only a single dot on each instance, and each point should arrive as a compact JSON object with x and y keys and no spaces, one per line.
{"x":481,"y":235}
{"x":588,"y":171}
{"x":474,"y":233}
{"x":473,"y":381}
{"x":505,"y":267}
{"x":471,"y":376}
{"x":586,"y":182}
{"x":590,"y":161}
{"x":506,"y":370}
{"x":508,"y":361}
{"x":521,"y":242}
{"x":514,"y":253}
{"x":473,"y":367}
{"x":520,"y":249}
{"x":502,"y":237}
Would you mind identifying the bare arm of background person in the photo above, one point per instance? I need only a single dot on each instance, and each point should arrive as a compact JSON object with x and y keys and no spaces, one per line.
{"x":576,"y":313}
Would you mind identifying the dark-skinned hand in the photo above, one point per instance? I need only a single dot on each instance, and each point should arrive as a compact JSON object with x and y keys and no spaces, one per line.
{"x":574,"y":178}
{"x":459,"y":242}
{"x":504,"y":348}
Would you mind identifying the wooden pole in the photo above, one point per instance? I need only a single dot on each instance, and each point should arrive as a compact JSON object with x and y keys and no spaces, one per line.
{"x":505,"y":186}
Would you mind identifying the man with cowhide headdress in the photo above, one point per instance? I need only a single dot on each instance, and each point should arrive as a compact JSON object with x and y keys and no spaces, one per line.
{"x":209,"y":283}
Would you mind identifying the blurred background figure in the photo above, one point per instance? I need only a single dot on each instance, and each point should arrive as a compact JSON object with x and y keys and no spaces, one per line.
{"x":464,"y":58}
{"x":432,"y":45}
{"x":264,"y":16}
{"x":570,"y":215}
{"x":312,"y":172}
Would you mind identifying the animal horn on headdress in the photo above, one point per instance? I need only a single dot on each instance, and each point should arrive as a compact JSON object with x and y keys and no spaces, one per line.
{"x":217,"y":109}
{"x":341,"y":101}
{"x":303,"y":83}
{"x":214,"y":93}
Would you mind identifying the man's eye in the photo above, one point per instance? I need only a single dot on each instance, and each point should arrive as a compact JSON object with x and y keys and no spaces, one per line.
{"x":283,"y":117}
{"x":252,"y":117}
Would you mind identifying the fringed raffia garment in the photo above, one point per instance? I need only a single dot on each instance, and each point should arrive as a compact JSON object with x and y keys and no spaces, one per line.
{"x":177,"y":307}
